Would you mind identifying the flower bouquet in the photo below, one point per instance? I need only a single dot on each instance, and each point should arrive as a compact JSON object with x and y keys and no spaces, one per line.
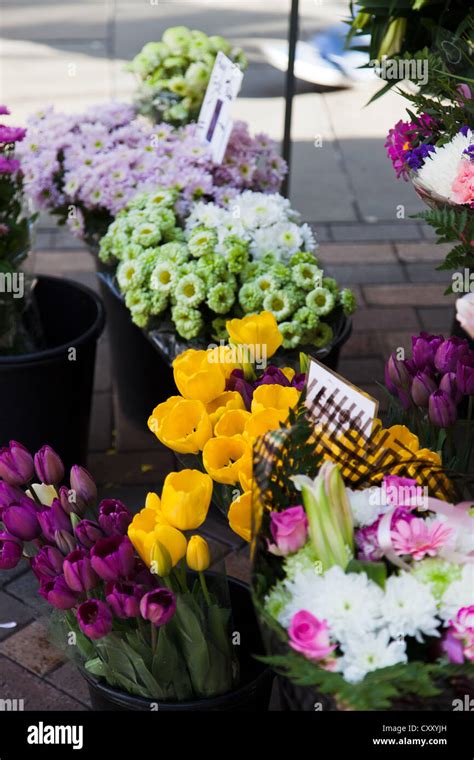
{"x":363,"y":569}
{"x":15,"y":227}
{"x":433,"y":393}
{"x":174,"y":73}
{"x":250,"y":254}
{"x":229,"y":396}
{"x":86,"y":167}
{"x":134,"y":606}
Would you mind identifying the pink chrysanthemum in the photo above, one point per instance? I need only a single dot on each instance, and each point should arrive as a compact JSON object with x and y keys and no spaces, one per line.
{"x":419,"y":537}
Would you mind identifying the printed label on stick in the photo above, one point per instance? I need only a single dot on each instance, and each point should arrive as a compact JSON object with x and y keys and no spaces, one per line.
{"x":215,"y":122}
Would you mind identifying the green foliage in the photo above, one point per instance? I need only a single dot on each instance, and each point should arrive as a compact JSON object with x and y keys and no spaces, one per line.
{"x":451,"y":224}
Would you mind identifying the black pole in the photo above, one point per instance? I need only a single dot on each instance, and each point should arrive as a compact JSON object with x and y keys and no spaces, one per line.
{"x":290,"y":90}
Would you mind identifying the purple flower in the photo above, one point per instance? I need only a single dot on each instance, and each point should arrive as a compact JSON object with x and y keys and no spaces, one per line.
{"x":8,"y":165}
{"x":11,"y":550}
{"x":54,"y":518}
{"x":442,"y":409}
{"x":449,"y":385}
{"x":22,"y":521}
{"x":158,"y":606}
{"x":123,"y":598}
{"x":113,"y":557}
{"x":114,"y":517}
{"x":48,"y":465}
{"x":453,"y":647}
{"x":273,"y":376}
{"x":58,"y":594}
{"x":289,"y":529}
{"x":94,"y":618}
{"x":64,"y":541}
{"x":448,"y":354}
{"x":422,"y":387}
{"x":4,"y":110}
{"x":16,"y":464}
{"x":424,"y":347}
{"x":47,"y":564}
{"x":11,"y":134}
{"x":84,"y":486}
{"x":88,"y":533}
{"x":299,"y":381}
{"x":78,"y":572}
{"x":398,"y":372}
{"x":465,"y":374}
{"x":12,"y":495}
{"x":237,"y":382}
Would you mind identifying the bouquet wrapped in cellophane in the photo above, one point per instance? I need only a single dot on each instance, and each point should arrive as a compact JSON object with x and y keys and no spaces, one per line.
{"x":362,"y":566}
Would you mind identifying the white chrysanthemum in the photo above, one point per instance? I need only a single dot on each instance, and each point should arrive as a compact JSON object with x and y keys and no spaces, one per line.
{"x":206,"y":215}
{"x":459,"y":594}
{"x":309,"y":241}
{"x":442,"y":165}
{"x":263,"y":212}
{"x":362,"y":654}
{"x":409,"y":607}
{"x":263,"y":241}
{"x":288,"y":237}
{"x":350,"y":603}
{"x":366,"y":505}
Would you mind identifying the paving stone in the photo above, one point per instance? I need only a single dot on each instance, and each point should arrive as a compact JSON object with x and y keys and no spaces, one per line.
{"x":346,"y":274}
{"x":69,"y":680}
{"x":6,"y":576}
{"x":13,"y":611}
{"x":362,"y":370}
{"x":217,"y":526}
{"x":32,"y":649}
{"x":426,"y":294}
{"x":383,"y":232}
{"x":100,"y":435}
{"x":132,"y":468}
{"x":357,"y":253}
{"x":41,"y":239}
{"x":423,"y":272}
{"x":66,"y":262}
{"x":361,"y":344}
{"x":385,"y":318}
{"x":18,"y":683}
{"x":427,"y":232}
{"x":437,"y":320}
{"x":390,"y":341}
{"x":322,"y":232}
{"x":416,"y":252}
{"x":103,"y":370}
{"x":25,"y":588}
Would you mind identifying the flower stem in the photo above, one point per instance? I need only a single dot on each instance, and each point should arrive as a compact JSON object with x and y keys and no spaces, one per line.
{"x":205,"y":590}
{"x":154,"y":638}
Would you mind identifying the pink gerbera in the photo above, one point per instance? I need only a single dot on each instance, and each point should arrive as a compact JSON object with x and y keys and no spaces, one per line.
{"x":463,"y":186}
{"x":419,"y":537}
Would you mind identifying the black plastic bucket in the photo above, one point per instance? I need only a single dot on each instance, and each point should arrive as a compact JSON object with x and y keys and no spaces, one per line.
{"x":252,"y":695}
{"x":46,"y":396}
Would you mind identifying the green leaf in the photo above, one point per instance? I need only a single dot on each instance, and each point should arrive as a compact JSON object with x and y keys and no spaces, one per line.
{"x":376,"y":571}
{"x":169,"y":666}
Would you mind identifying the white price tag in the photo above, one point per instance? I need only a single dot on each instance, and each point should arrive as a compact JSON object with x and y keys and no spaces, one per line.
{"x":337,"y":403}
{"x":215,"y":122}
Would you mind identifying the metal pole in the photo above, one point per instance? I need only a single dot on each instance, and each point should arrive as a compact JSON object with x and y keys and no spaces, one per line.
{"x":290,"y":90}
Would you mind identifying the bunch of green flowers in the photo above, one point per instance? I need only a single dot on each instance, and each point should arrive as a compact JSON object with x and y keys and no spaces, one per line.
{"x":200,"y":277}
{"x":174,"y":73}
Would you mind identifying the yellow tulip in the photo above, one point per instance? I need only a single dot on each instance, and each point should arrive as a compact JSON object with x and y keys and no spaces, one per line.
{"x":198,"y":556}
{"x":152,"y":501}
{"x":144,"y":521}
{"x":224,"y":458}
{"x":246,"y":480}
{"x":289,"y":373}
{"x":224,"y":402}
{"x":144,"y":539}
{"x":197,"y":377}
{"x":160,"y":560}
{"x":182,"y":425}
{"x":185,"y":498}
{"x":232,"y":423}
{"x":224,"y":356}
{"x":256,"y":330}
{"x":263,"y":421}
{"x":274,"y":397}
{"x":240,"y":516}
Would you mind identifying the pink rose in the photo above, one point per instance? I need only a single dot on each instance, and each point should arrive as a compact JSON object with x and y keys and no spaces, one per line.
{"x":462,"y":190}
{"x":310,"y":636}
{"x":465,"y":313}
{"x":453,"y":648}
{"x":289,"y":530}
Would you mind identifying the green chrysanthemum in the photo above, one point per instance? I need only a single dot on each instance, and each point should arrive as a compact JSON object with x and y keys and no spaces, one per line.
{"x":146,"y":235}
{"x":250,"y":271}
{"x":132,"y":251}
{"x":268,"y":259}
{"x":266,"y":283}
{"x":348,"y":301}
{"x":190,"y":290}
{"x":162,"y":198}
{"x":163,"y":277}
{"x":107,"y":252}
{"x":158,"y":302}
{"x":276,"y":601}
{"x":163,"y":218}
{"x":236,"y":252}
{"x":304,"y":559}
{"x":129,"y":275}
{"x":292,"y":333}
{"x":202,"y":241}
{"x":281,"y":273}
{"x":303,"y":257}
{"x":174,"y":251}
{"x":189,"y":323}
{"x":331,"y":284}
{"x":172,"y":234}
{"x":306,"y":276}
{"x":320,"y":300}
{"x":307,"y":318}
{"x":250,"y":297}
{"x":279,"y":303}
{"x":221,"y":297}
{"x":436,"y":573}
{"x":320,"y":336}
{"x":219,"y":329}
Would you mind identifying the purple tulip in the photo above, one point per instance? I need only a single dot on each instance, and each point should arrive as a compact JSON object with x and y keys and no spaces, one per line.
{"x":58,"y":593}
{"x":47,"y":564}
{"x":16,"y":464}
{"x":114,"y":517}
{"x":236,"y":382}
{"x":448,"y":354}
{"x":449,"y":385}
{"x":54,"y":518}
{"x":11,"y":550}
{"x":88,"y":533}
{"x":65,"y":542}
{"x":94,"y":618}
{"x":11,"y":495}
{"x":158,"y":606}
{"x":299,"y":381}
{"x":273,"y":376}
{"x":78,"y":572}
{"x":22,"y":521}
{"x":141,"y":574}
{"x":83,"y":485}
{"x":465,"y":374}
{"x":398,"y":372}
{"x":388,"y":383}
{"x":442,"y":409}
{"x":113,"y":557}
{"x":421,"y":388}
{"x":123,"y":598}
{"x":49,"y":467}
{"x":423,"y":349}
